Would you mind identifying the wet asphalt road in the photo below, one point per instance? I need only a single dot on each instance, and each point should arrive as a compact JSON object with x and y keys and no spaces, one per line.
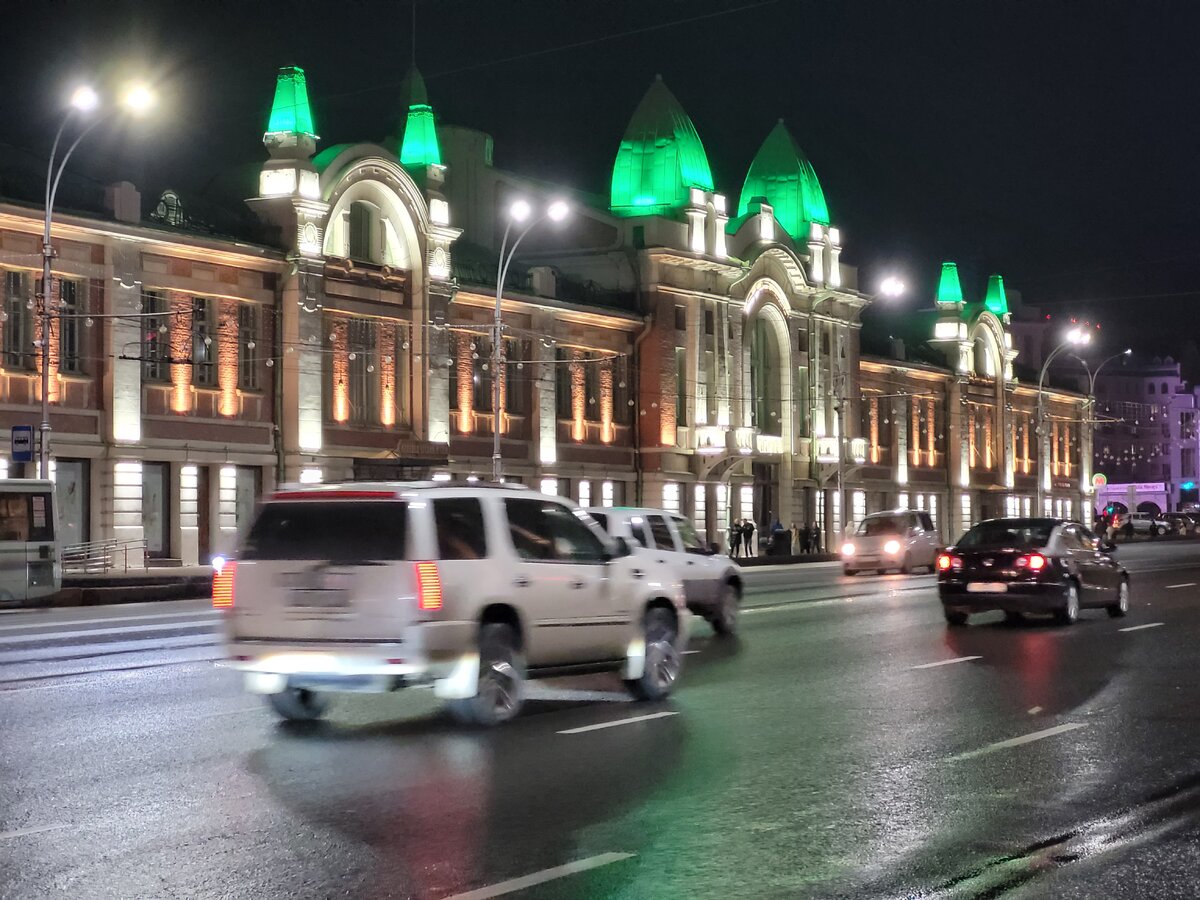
{"x":822,"y":754}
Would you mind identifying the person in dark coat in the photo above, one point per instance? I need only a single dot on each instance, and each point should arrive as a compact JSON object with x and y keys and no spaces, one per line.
{"x":735,"y":538}
{"x":816,"y":538}
{"x":748,"y":537}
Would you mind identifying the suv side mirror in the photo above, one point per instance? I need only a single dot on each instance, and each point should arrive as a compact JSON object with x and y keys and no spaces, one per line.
{"x":620,"y":548}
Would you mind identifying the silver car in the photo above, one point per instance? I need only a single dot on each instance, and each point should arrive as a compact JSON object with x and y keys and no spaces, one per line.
{"x":902,"y":539}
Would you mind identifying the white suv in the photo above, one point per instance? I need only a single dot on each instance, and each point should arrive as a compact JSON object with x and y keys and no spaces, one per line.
{"x":473,"y":588}
{"x":712,"y":582}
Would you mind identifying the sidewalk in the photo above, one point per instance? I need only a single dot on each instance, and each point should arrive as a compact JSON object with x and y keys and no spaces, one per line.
{"x":133,"y":586}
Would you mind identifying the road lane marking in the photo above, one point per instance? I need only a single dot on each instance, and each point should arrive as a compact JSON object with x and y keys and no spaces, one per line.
{"x":629,"y":721}
{"x":22,"y":832}
{"x":1018,"y":741}
{"x":1035,"y":710}
{"x":1171,"y":587}
{"x":211,"y":615}
{"x":690,"y":652}
{"x":1140,"y":627}
{"x":947,"y":662}
{"x":528,"y":881}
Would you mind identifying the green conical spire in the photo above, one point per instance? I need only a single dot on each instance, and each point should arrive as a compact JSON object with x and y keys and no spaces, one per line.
{"x":996,"y":300}
{"x":781,"y":174}
{"x":949,"y":289}
{"x":659,"y":159}
{"x":420,"y":144}
{"x":290,"y":113}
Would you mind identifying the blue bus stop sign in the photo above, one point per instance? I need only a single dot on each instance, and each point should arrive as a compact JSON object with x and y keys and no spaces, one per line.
{"x":22,"y":443}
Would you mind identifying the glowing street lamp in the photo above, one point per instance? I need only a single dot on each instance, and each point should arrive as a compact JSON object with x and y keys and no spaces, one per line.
{"x":83,"y":101}
{"x":519,"y":211}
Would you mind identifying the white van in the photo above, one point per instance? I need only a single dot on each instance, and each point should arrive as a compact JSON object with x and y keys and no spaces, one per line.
{"x":901,"y":539}
{"x":30,"y":554}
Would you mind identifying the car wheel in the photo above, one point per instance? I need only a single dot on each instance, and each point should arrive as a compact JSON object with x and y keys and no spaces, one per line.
{"x":1121,"y":607}
{"x":1068,"y":614}
{"x":725,"y":619}
{"x":850,"y":572}
{"x":955,"y":619}
{"x":663,"y":661}
{"x":1013,"y":617}
{"x":501,"y":690}
{"x":299,"y":704}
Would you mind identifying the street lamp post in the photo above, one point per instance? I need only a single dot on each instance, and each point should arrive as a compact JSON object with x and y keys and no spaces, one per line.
{"x":891,"y":288}
{"x":1076,"y":337}
{"x":1091,"y":395}
{"x":518,"y":212}
{"x":83,"y":101}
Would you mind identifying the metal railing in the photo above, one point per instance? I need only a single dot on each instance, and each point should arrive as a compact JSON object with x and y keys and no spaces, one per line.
{"x":98,"y":557}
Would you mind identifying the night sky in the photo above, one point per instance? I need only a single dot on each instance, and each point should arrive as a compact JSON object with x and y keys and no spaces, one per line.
{"x":1053,"y":142}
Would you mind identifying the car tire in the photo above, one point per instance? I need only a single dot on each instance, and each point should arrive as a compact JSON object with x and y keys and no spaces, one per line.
{"x":501,"y":689}
{"x":663,"y":660}
{"x":299,"y":704}
{"x":955,"y":618}
{"x":1013,"y":617}
{"x":1068,"y":613}
{"x":725,"y":620}
{"x":1121,"y":607}
{"x":850,"y":572}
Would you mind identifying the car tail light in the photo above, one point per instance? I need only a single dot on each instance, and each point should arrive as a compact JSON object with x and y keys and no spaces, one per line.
{"x":1034,"y":562}
{"x":945,"y":562}
{"x":429,"y":586}
{"x":222,"y":591}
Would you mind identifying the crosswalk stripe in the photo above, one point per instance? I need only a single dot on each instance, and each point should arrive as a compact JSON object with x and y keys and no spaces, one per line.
{"x":43,"y":637}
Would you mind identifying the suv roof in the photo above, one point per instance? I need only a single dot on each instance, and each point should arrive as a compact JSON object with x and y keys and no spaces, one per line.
{"x":388,"y":487}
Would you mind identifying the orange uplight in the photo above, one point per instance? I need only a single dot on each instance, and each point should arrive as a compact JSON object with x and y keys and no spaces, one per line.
{"x":429,"y":586}
{"x":222,"y":589}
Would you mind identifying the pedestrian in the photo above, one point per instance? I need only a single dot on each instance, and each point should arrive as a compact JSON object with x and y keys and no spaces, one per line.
{"x":779,"y":538}
{"x":805,"y":539}
{"x":794,"y":545}
{"x":748,"y":537}
{"x":816,"y":538}
{"x":735,"y":538}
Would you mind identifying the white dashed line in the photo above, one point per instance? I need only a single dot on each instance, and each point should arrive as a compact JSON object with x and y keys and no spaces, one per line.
{"x":947,"y":662}
{"x":1171,"y":587}
{"x":1018,"y":741}
{"x":1140,"y":627}
{"x":528,"y":881}
{"x":629,"y":721}
{"x":22,"y":832}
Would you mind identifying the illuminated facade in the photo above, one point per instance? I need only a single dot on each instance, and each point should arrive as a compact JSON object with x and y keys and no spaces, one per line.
{"x":661,"y":347}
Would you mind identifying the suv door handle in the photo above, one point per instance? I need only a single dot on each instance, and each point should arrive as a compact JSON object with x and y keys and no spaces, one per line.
{"x":636,"y":573}
{"x":575,"y":584}
{"x":520,"y":581}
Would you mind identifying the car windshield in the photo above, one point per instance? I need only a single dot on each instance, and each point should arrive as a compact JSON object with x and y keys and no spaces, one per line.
{"x":339,"y":531}
{"x":1016,"y":533}
{"x":881,"y":526}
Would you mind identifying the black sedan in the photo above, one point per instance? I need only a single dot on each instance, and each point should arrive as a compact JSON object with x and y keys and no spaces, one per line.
{"x":1048,"y":566}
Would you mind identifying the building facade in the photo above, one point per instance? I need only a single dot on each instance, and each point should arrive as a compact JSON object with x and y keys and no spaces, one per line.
{"x":666,"y":346}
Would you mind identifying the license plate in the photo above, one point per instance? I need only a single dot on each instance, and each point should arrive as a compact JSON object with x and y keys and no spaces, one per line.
{"x":320,"y":599}
{"x":987,"y":587}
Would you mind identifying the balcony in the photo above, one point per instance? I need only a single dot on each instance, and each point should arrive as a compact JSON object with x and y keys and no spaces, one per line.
{"x":827,"y":450}
{"x":769,"y":444}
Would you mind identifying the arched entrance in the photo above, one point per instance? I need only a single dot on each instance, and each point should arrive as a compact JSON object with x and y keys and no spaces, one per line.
{"x":766,"y":388}
{"x":767,"y":406}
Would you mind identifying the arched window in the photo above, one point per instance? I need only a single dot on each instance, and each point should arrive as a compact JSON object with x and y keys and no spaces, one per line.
{"x":1164,"y":389}
{"x":1150,"y":388}
{"x":364,"y":244}
{"x":766,"y":395}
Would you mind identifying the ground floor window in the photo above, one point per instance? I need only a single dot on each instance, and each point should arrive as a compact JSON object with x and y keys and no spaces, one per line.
{"x":965,"y":513}
{"x":71,"y":484}
{"x":902,"y":501}
{"x":156,"y":508}
{"x":722,"y":515}
{"x":549,"y":486}
{"x":247,"y":488}
{"x":1011,"y":506}
{"x":585,"y":493}
{"x":606,"y":493}
{"x":1027,"y":506}
{"x":671,"y":496}
{"x":858,"y":507}
{"x":699,"y":510}
{"x":746,"y":502}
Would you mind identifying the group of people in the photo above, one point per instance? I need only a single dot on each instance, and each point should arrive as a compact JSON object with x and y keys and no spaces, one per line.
{"x":781,"y":541}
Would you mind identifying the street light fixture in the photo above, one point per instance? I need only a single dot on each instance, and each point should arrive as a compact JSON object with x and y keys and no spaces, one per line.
{"x":519,"y":211}
{"x":83,"y":100}
{"x":1076,"y":337}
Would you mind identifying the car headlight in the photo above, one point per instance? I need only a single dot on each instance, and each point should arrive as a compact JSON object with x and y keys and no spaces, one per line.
{"x":892,"y":547}
{"x":847,"y":549}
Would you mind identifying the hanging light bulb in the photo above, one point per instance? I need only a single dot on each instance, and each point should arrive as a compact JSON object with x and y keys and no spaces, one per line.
{"x":162,"y":329}
{"x":250,"y":345}
{"x":270,"y":363}
{"x":371,"y":368}
{"x":87,"y":322}
{"x":404,"y":346}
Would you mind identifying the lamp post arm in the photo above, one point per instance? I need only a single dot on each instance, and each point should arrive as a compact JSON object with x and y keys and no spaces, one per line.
{"x":507,"y":251}
{"x":62,"y":165}
{"x":50,"y":168}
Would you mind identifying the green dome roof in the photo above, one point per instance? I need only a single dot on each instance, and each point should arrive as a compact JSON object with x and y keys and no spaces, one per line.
{"x":419,"y":146}
{"x":660,"y":158}
{"x":783,"y":176}
{"x":290,"y":112}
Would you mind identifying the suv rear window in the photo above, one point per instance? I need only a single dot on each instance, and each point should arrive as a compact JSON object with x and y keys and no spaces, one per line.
{"x":459,"y":523}
{"x":337,"y":531}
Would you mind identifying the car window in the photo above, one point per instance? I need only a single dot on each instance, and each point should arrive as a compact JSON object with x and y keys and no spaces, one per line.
{"x":1070,"y":538}
{"x":601,"y":520}
{"x":337,"y":531}
{"x":880,"y":526}
{"x":459,"y":524}
{"x":687,"y":534}
{"x":547,"y":531}
{"x":1007,"y":533}
{"x":641,"y":534}
{"x":926,"y":522}
{"x":1089,"y":539}
{"x":661,"y":532}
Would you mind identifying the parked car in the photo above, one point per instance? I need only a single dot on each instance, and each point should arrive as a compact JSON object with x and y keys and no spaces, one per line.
{"x":1178,"y":523}
{"x":471,"y":588}
{"x":1030,"y":566}
{"x":712,"y":581}
{"x":902,"y":539}
{"x":1146,"y":523}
